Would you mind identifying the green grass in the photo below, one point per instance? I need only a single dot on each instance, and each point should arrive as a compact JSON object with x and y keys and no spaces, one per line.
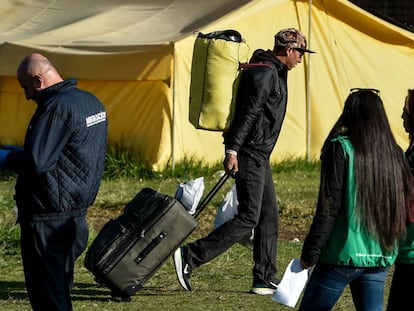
{"x":221,"y":284}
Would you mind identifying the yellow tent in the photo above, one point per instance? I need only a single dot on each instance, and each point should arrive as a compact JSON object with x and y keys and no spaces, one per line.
{"x":136,"y":57}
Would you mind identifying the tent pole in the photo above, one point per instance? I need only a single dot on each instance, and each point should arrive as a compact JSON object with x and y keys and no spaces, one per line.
{"x":308,"y":108}
{"x":173,"y":113}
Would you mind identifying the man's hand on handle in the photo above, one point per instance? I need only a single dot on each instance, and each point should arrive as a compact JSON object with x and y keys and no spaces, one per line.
{"x":231,"y":164}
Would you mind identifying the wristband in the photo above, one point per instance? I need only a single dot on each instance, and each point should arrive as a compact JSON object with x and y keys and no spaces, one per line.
{"x":232,"y":152}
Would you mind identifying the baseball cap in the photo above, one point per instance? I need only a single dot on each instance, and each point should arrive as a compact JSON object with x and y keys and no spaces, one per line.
{"x":293,"y":38}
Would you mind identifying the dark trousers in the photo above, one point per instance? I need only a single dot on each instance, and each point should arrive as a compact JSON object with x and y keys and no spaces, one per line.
{"x":257,"y":209}
{"x":49,"y":251}
{"x":400,"y":293}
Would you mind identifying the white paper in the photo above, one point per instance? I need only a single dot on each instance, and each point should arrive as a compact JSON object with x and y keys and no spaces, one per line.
{"x":292,"y":284}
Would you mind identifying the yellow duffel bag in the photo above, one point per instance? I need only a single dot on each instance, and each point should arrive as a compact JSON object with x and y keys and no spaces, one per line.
{"x":214,"y":71}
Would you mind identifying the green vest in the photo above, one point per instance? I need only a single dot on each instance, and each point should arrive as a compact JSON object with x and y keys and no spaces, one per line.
{"x":349,"y":244}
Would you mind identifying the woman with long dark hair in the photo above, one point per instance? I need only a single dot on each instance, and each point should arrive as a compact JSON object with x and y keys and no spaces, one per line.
{"x":361,"y":215}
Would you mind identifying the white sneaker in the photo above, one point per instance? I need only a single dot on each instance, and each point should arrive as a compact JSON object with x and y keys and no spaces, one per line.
{"x":182,"y":268}
{"x":264,"y":289}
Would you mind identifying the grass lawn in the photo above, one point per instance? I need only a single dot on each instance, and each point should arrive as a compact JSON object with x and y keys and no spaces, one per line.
{"x":221,"y":284}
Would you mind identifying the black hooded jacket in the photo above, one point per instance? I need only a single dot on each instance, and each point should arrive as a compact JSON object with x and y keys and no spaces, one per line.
{"x":260,"y":108}
{"x":60,"y":169}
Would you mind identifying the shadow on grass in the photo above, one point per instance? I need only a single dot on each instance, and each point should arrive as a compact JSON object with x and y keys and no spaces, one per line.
{"x":90,"y":292}
{"x":81,"y":291}
{"x":12,"y":290}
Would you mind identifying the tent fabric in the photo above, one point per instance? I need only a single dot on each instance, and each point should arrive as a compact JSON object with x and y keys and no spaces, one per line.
{"x":90,"y":39}
{"x":139,"y":112}
{"x":136,"y":57}
{"x":354,"y":49}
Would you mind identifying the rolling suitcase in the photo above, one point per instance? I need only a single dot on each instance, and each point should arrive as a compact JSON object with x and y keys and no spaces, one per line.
{"x":129,"y":249}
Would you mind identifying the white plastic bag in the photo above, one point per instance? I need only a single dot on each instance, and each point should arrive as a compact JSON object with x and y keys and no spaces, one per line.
{"x":292,"y":284}
{"x":227,"y":210}
{"x":189,"y":194}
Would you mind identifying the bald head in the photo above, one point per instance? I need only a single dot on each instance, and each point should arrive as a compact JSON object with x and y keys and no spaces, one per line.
{"x":35,"y":73}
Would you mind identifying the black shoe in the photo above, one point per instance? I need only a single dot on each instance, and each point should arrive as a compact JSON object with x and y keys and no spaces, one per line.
{"x":182,"y":268}
{"x":264,"y":288}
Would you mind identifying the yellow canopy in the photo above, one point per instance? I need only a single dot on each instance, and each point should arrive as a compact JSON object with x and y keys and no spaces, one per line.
{"x":136,"y":57}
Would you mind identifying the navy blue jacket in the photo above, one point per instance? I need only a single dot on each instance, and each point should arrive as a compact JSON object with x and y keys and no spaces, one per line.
{"x":260,"y":108}
{"x":60,"y":169}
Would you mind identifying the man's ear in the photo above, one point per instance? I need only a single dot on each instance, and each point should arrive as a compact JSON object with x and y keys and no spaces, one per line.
{"x":37,"y":81}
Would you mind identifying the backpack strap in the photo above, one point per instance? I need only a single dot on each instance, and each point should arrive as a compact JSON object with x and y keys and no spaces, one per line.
{"x":250,"y":65}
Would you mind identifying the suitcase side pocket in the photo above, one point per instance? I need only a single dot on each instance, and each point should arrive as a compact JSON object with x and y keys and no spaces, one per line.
{"x":104,"y":244}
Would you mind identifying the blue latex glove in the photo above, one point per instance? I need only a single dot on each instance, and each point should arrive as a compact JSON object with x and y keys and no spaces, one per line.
{"x":3,"y":155}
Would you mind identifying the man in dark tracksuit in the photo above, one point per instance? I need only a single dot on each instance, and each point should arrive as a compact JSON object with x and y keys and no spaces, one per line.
{"x":59,"y":172}
{"x":260,"y":111}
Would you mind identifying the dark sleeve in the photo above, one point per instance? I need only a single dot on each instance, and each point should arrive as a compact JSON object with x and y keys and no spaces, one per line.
{"x":42,"y":152}
{"x":48,"y":142}
{"x":19,"y":162}
{"x":253,"y":92}
{"x":329,"y":202}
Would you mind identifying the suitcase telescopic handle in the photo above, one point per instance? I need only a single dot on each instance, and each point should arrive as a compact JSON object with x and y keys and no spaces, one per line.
{"x":203,"y":204}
